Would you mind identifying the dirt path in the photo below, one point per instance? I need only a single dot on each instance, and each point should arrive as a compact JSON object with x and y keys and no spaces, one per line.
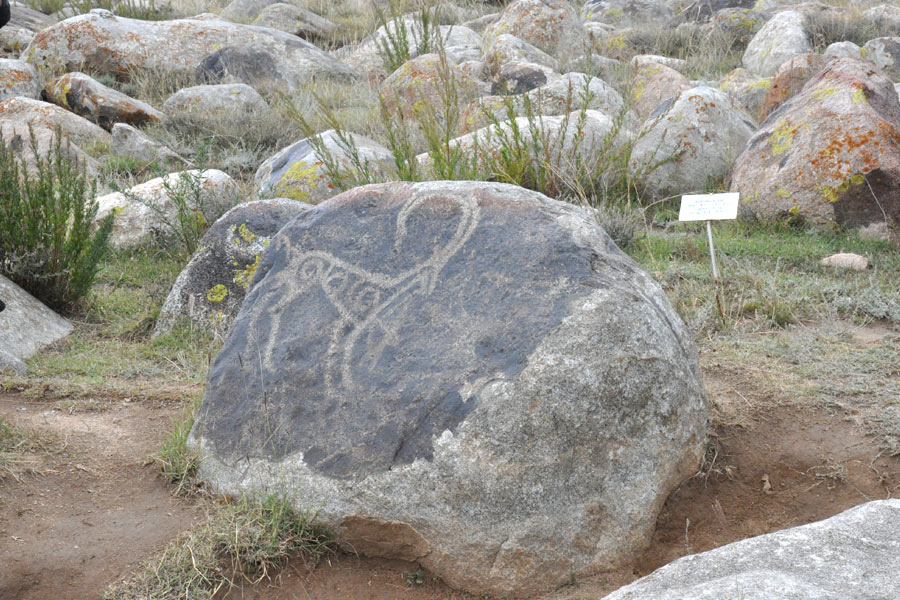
{"x":98,"y":510}
{"x":95,"y":511}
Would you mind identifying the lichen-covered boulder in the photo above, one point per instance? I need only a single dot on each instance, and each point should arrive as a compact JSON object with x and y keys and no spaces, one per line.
{"x":211,"y":288}
{"x":29,"y":144}
{"x":26,"y":326}
{"x":828,"y":155}
{"x":466,"y":374}
{"x":23,"y":112}
{"x":779,"y":40}
{"x":298,"y":172}
{"x":215,"y":101}
{"x":421,"y":84}
{"x":296,"y":21}
{"x":105,"y":43}
{"x":689,"y":141}
{"x":626,"y":13}
{"x":95,"y":102}
{"x":149,"y":212}
{"x":506,"y":48}
{"x":518,"y":77}
{"x":854,"y":555}
{"x":18,"y":78}
{"x":790,"y":79}
{"x":553,"y":26}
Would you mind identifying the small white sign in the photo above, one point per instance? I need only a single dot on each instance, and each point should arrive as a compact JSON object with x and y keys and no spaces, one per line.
{"x":709,"y":207}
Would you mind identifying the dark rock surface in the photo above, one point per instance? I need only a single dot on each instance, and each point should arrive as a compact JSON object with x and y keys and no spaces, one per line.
{"x":472,"y":369}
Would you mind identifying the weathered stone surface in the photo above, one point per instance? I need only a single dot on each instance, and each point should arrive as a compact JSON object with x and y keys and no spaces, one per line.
{"x":469,"y":371}
{"x":109,"y":44}
{"x":626,"y":13}
{"x":703,"y":11}
{"x":884,"y":53}
{"x":552,"y":26}
{"x":298,"y":172}
{"x":518,"y":77}
{"x":13,"y":40}
{"x":26,"y":326}
{"x":296,"y":21}
{"x":790,"y":79}
{"x":147,"y":212}
{"x":215,"y":101}
{"x":697,"y":134}
{"x":244,"y":11}
{"x":211,"y":288}
{"x":23,"y":112}
{"x":26,"y":17}
{"x":650,"y":60}
{"x":92,"y":100}
{"x":782,"y":38}
{"x":654,"y":83}
{"x":18,"y":78}
{"x":846,"y":260}
{"x":746,"y":88}
{"x":854,"y":555}
{"x":829,"y":154}
{"x":884,"y":14}
{"x":128,"y":141}
{"x":419,"y":85}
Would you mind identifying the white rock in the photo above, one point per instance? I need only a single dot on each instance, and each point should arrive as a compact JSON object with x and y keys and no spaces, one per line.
{"x":782,"y":38}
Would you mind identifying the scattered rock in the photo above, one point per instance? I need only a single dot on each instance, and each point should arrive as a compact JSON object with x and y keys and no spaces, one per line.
{"x":505,"y":48}
{"x":149,"y":212}
{"x":843,"y":50}
{"x":626,"y":13}
{"x":105,"y":43}
{"x":779,"y":40}
{"x":694,"y":136}
{"x":211,"y":288}
{"x":97,"y":103}
{"x":854,"y":555}
{"x":466,"y":374}
{"x":234,"y":100}
{"x":296,"y":21}
{"x":829,"y":154}
{"x":26,"y":326}
{"x":846,"y":260}
{"x":298,"y":172}
{"x":518,"y":77}
{"x":18,"y":78}
{"x":650,"y":60}
{"x":703,"y":11}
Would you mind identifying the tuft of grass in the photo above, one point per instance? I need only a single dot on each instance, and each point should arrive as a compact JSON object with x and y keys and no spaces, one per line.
{"x":18,"y":449}
{"x":246,"y":541}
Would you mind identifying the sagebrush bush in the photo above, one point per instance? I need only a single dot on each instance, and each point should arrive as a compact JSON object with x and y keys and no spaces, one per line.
{"x":49,"y":244}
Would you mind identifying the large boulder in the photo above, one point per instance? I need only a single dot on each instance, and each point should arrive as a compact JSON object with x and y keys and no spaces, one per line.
{"x":782,"y":38}
{"x":626,"y":13}
{"x":422,"y":83}
{"x":105,"y":43}
{"x":94,"y":101}
{"x":690,"y":141}
{"x":553,"y":26}
{"x":18,"y":78}
{"x":884,"y":53}
{"x":211,"y":288}
{"x":26,"y":326}
{"x":209,"y":102}
{"x":466,"y":374}
{"x":854,"y":555}
{"x":299,"y":172}
{"x":654,"y":83}
{"x":31,"y":143}
{"x":829,"y":154}
{"x":296,"y":21}
{"x":157,"y":210}
{"x":133,"y":143}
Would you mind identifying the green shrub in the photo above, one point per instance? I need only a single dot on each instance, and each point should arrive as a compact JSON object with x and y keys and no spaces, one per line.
{"x":49,"y":244}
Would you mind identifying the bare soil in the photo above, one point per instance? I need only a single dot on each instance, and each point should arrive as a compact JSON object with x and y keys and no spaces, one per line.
{"x":94,"y":509}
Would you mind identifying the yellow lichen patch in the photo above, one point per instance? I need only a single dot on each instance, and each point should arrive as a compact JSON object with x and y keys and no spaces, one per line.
{"x":762,"y":83}
{"x":245,"y":233}
{"x":858,"y":179}
{"x":217,"y":293}
{"x":298,"y":180}
{"x":782,"y":137}
{"x":243,"y":277}
{"x":782,"y":193}
{"x":859,"y":97}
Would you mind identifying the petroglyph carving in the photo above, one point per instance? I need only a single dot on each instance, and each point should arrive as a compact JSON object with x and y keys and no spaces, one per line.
{"x":370,"y":304}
